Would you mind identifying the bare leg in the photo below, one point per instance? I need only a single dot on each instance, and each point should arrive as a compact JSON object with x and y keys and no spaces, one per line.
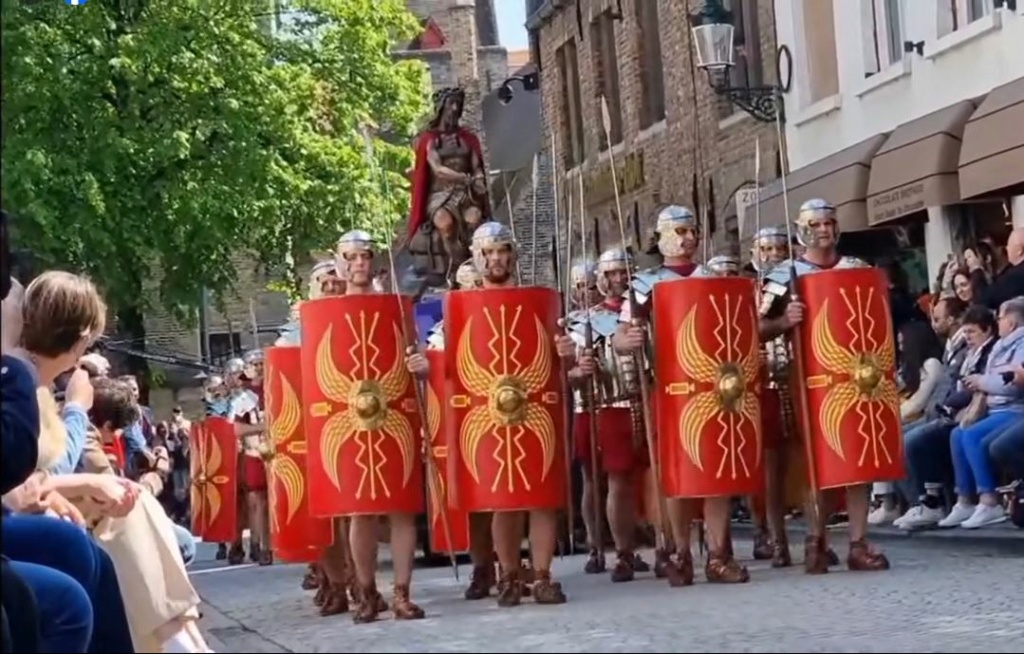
{"x":662,"y":555}
{"x":403,"y":552}
{"x":775,"y":509}
{"x":333,"y":598}
{"x":861,"y":557}
{"x":481,"y":553}
{"x":259,"y":509}
{"x":621,"y":508}
{"x":721,"y":566}
{"x":543,"y":541}
{"x":507,"y":531}
{"x":681,"y":514}
{"x":595,"y":560}
{"x":363,"y":541}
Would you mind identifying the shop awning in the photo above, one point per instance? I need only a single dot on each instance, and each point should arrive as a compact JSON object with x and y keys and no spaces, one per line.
{"x":992,"y":154}
{"x":840,"y":178}
{"x":917,"y":166}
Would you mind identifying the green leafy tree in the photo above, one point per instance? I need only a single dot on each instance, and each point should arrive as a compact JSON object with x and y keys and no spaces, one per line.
{"x":142,"y":136}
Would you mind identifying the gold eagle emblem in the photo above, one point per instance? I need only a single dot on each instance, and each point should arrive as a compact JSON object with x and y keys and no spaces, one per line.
{"x":727,"y":371}
{"x":367,"y":398}
{"x":506,"y":385}
{"x":858,"y":376}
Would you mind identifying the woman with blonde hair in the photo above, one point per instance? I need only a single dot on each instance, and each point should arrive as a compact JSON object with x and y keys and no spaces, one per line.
{"x":63,"y":315}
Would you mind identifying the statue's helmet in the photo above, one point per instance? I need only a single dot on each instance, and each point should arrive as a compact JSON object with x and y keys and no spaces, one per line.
{"x":441,"y":97}
{"x":671,"y":226}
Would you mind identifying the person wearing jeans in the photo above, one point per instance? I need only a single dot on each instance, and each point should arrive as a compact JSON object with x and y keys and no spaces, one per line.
{"x":69,"y":549}
{"x":1006,"y":448}
{"x":974,"y":470}
{"x":65,"y":612}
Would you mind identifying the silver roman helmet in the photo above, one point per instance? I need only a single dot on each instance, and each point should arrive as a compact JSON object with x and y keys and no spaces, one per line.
{"x":234,"y":367}
{"x":765,"y":241}
{"x":612,"y":259}
{"x":582,"y":278}
{"x":253,"y":364}
{"x":467,"y":276}
{"x":814,"y":212}
{"x":349,"y":244}
{"x":670,"y":224}
{"x":320,"y":272}
{"x":489,"y":236}
{"x":213,"y":388}
{"x":724,"y":265}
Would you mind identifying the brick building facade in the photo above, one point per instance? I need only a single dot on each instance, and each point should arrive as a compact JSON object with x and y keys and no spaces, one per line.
{"x":666,"y":122}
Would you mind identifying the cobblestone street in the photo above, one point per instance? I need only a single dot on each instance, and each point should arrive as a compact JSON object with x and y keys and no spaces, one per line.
{"x":939,"y":597}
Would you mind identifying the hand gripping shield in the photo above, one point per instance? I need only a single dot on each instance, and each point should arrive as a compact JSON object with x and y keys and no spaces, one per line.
{"x":214,"y":473}
{"x":708,"y":387}
{"x":362,"y":424}
{"x":844,"y":385}
{"x":438,"y":420}
{"x":507,"y":438}
{"x":295,"y":535}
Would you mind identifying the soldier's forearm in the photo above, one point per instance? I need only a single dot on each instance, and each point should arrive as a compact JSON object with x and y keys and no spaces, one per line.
{"x":771,"y":328}
{"x":249,"y":430}
{"x":448,"y":174}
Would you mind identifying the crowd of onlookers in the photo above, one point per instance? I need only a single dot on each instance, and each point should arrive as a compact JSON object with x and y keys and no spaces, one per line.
{"x":91,"y":560}
{"x":962,"y":373}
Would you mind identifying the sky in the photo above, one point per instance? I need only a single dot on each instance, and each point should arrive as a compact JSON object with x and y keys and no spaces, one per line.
{"x":511,"y":23}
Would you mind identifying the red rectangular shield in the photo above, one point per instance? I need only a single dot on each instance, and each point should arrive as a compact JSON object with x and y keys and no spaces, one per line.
{"x":437,"y":424}
{"x":845,"y":385}
{"x":507,"y":437}
{"x":362,"y":422}
{"x":707,"y":370}
{"x":295,"y":535}
{"x":214,"y":471}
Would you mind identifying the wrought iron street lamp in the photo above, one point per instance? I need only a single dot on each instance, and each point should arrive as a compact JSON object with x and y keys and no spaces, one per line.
{"x":713,"y":39}
{"x":530,"y":82}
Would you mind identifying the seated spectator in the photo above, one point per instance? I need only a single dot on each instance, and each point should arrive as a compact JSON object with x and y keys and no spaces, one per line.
{"x":925,"y":383}
{"x":1006,"y":447}
{"x":926,"y":446}
{"x":63,"y":313}
{"x":1004,"y":403}
{"x":42,"y":608}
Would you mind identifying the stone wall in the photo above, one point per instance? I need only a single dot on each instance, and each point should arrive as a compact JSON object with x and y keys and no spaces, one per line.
{"x":668,"y":149}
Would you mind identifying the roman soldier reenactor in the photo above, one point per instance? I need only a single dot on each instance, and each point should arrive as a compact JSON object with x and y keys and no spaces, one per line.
{"x":503,"y":353}
{"x":622,"y":451}
{"x":842,"y":342}
{"x":365,"y":458}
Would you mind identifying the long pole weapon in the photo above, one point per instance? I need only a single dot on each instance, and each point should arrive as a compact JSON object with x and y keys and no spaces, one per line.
{"x":590,"y":395}
{"x":408,"y":334}
{"x":794,"y":295}
{"x":570,"y":511}
{"x":640,"y":359}
{"x":512,"y":218}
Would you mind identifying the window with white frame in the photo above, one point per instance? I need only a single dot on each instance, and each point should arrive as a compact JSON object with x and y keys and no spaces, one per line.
{"x":883,"y":34}
{"x":957,"y":14}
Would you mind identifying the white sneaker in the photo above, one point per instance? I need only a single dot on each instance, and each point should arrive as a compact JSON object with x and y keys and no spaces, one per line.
{"x":983,"y":516}
{"x":882,"y":515}
{"x":920,"y":517}
{"x":960,"y":514}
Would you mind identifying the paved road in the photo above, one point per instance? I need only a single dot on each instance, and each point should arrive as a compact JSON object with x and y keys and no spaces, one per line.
{"x":937,"y":598}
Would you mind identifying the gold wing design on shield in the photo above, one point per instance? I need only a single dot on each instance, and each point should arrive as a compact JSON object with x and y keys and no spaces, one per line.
{"x":729,"y":366}
{"x":505,"y":375}
{"x":862,"y":383}
{"x":385,"y":389}
{"x":284,"y":427}
{"x":214,"y":460}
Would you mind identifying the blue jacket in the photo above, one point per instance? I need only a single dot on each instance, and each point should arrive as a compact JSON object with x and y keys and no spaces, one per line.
{"x":20,"y":428}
